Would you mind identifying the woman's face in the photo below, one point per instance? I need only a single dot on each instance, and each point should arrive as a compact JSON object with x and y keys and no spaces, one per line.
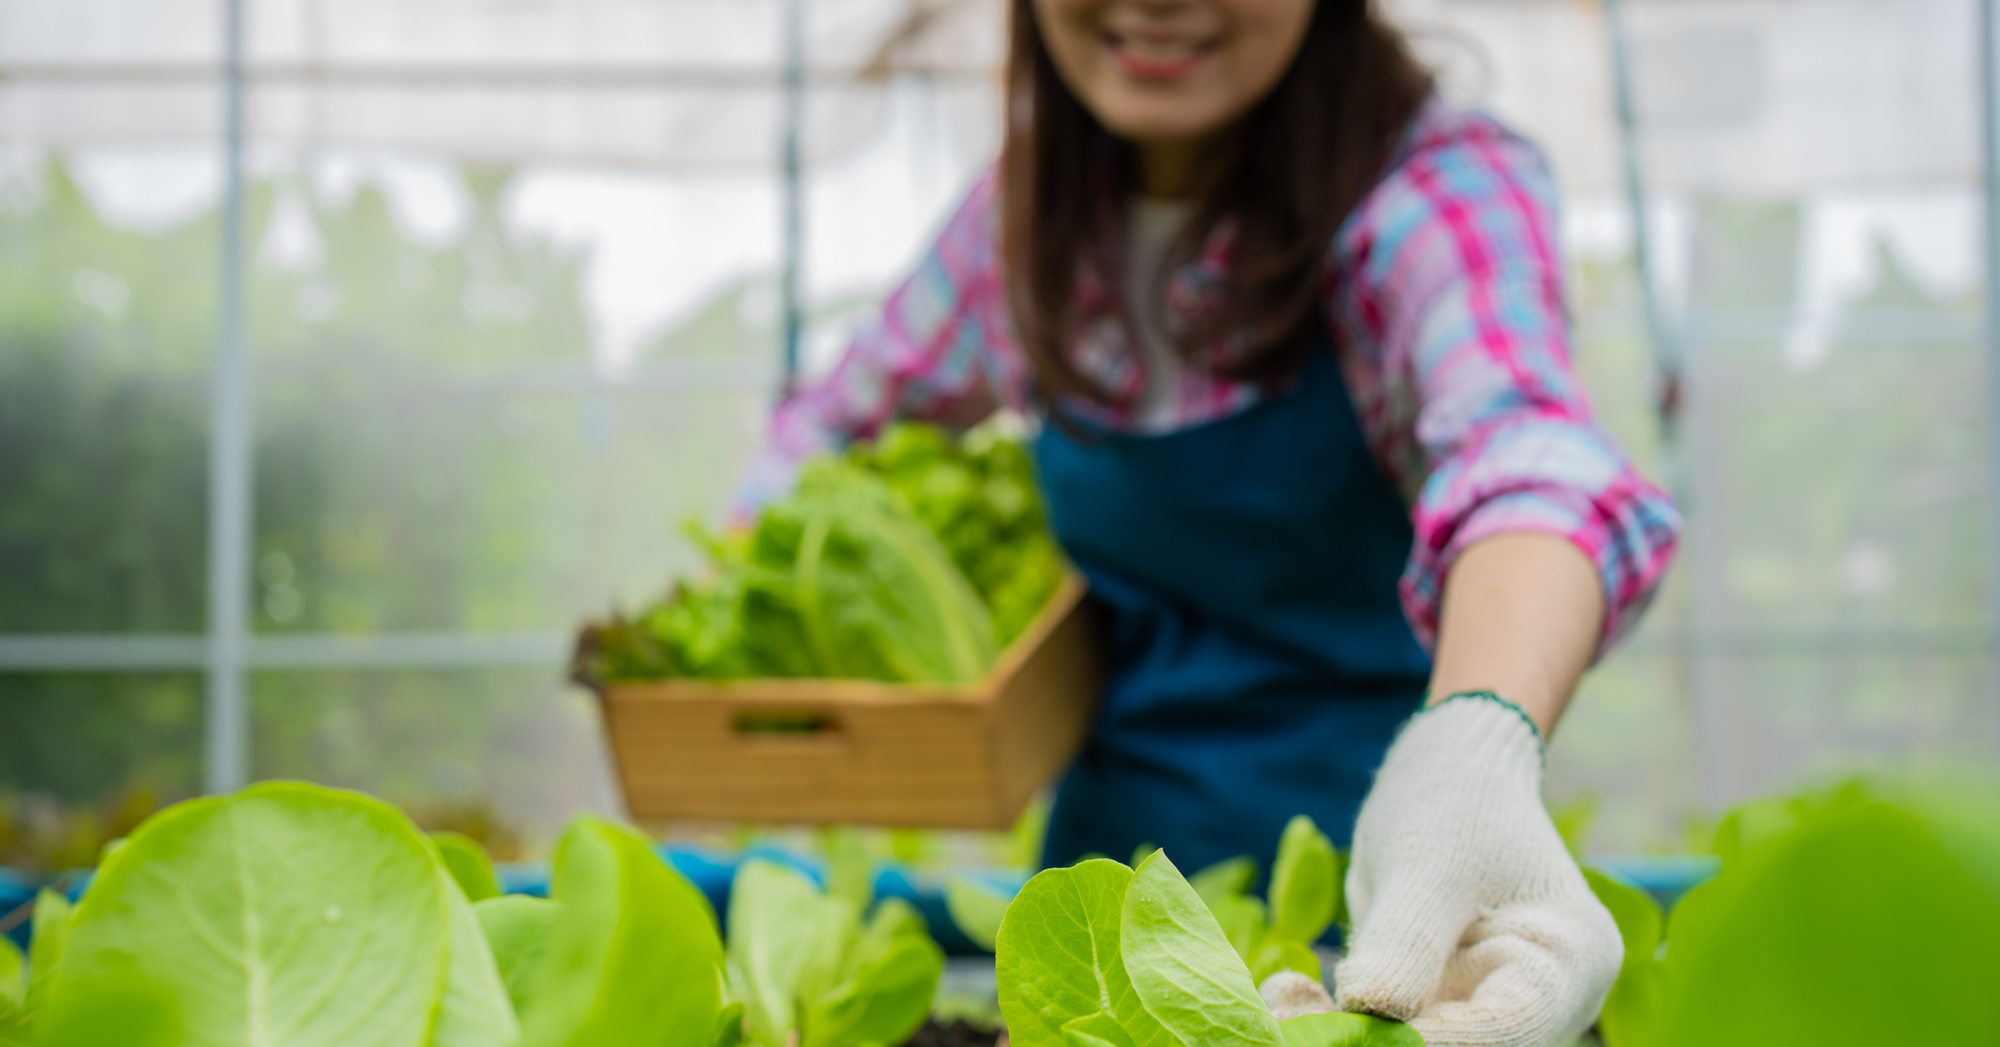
{"x":1171,"y":72}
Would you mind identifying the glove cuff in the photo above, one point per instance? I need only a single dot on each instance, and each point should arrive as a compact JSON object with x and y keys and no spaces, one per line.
{"x":1541,"y":744}
{"x":1473,"y":729}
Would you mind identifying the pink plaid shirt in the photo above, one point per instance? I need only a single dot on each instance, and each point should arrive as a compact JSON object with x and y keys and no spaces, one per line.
{"x":1444,"y":296}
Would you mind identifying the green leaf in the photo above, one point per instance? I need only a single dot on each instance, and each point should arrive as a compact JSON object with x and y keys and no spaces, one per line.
{"x":250,"y":914}
{"x":468,"y":865}
{"x":634,"y":954}
{"x":1095,"y":1030}
{"x":1284,"y":956}
{"x":850,"y":875}
{"x":1347,"y":1030}
{"x":1305,"y":883}
{"x":1639,"y":920}
{"x":48,"y":937}
{"x":877,"y":593}
{"x":1241,"y":918}
{"x":517,"y":930}
{"x":1228,"y":878}
{"x":774,"y":914}
{"x":976,"y":908}
{"x":1631,"y":1012}
{"x":729,"y":1025}
{"x":13,"y":973}
{"x":1059,"y":957}
{"x":1183,"y":967}
{"x":885,"y":1001}
{"x":110,"y":1007}
{"x":475,"y":1011}
{"x":830,"y":949}
{"x":1857,"y":898}
{"x":894,"y":919}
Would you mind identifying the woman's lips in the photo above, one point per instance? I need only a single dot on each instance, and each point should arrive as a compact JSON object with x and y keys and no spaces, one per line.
{"x":1155,"y":59}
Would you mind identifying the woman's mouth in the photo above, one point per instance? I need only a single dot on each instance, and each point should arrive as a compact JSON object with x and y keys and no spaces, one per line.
{"x":1157,"y":59}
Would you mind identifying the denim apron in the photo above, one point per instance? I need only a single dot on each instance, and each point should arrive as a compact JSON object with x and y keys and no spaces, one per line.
{"x":1257,"y":659}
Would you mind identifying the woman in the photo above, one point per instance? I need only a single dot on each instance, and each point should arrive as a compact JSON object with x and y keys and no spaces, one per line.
{"x":1294,"y":330}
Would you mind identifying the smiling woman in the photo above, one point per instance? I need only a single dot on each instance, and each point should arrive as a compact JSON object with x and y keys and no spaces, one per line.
{"x":1274,"y":115}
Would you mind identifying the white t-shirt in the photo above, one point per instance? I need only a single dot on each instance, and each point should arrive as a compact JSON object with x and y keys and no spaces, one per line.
{"x":1152,"y":227}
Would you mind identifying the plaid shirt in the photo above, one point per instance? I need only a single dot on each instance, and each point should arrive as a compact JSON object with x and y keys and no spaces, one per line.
{"x":1444,"y":295}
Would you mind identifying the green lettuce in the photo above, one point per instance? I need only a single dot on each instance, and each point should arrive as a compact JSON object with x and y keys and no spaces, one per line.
{"x":913,"y":558}
{"x":1883,"y":890}
{"x":1097,"y":954}
{"x":1305,"y":899}
{"x":299,"y":915}
{"x":632,"y":953}
{"x":820,"y":966}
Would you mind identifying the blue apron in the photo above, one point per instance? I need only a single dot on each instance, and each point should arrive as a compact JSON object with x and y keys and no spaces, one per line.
{"x":1257,"y":658}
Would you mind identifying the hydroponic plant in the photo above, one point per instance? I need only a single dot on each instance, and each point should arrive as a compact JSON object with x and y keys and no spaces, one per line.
{"x":1863,"y":915}
{"x":816,"y":968}
{"x":292,"y":914}
{"x":914,"y":558}
{"x":1101,"y":955}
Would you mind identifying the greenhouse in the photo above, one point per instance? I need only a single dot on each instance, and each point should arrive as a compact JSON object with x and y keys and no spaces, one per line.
{"x":958,"y":523}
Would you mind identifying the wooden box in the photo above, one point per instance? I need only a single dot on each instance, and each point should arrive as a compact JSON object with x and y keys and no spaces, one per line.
{"x":862,"y":752}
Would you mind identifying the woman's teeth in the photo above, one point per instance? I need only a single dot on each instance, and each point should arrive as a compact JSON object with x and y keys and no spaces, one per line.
{"x":1158,"y":51}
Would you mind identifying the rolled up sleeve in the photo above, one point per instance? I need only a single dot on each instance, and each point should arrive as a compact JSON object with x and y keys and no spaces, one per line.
{"x":1466,"y":384}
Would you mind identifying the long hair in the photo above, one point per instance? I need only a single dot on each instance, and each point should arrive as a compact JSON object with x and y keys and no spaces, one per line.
{"x":1286,"y":175}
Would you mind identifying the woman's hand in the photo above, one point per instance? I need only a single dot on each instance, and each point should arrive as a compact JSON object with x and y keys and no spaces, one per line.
{"x":1469,"y":918}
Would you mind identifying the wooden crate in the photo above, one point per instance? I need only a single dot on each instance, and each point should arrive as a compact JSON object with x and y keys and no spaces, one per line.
{"x":856,"y":751}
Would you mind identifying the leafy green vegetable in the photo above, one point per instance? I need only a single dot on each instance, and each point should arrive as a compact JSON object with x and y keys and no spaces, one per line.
{"x":1857,"y":896}
{"x":1095,"y":1030}
{"x":805,"y":962}
{"x":768,"y":906}
{"x":1096,"y":955}
{"x":250,"y":913}
{"x":108,"y":1007}
{"x":911,"y":559}
{"x":1347,"y":1030}
{"x":977,"y":909}
{"x":468,"y":865}
{"x":1182,"y":967}
{"x":1631,"y":1012}
{"x":1060,"y":958}
{"x":729,"y":1025}
{"x":1305,"y":899}
{"x":978,"y":495}
{"x":850,"y":874}
{"x":886,"y":985}
{"x":48,"y":939}
{"x":475,"y":1010}
{"x":13,"y":973}
{"x":1305,"y":883}
{"x":1228,"y":878}
{"x":633,"y":956}
{"x":517,"y":929}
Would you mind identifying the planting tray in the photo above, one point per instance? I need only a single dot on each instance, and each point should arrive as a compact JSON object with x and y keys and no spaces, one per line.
{"x":862,"y":752}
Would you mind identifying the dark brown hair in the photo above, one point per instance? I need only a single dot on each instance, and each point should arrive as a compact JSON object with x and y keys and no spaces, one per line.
{"x":1286,"y":175}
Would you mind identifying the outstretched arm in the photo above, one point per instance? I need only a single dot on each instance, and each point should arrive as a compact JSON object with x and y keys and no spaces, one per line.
{"x":1522,"y":615}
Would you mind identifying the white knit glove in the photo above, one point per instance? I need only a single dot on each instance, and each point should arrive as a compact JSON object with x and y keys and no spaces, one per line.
{"x":1469,"y":919}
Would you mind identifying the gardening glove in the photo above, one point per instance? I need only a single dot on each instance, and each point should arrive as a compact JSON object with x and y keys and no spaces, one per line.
{"x":1469,"y":919}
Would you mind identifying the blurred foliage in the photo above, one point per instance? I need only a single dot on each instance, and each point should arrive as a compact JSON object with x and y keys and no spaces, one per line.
{"x":1844,"y":499}
{"x":433,"y":453}
{"x":41,"y":837}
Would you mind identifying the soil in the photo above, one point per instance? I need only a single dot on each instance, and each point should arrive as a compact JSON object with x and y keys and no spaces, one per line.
{"x":956,"y":1033}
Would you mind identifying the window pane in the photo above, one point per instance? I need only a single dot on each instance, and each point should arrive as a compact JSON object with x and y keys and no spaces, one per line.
{"x":107,"y":305}
{"x":515,"y":747}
